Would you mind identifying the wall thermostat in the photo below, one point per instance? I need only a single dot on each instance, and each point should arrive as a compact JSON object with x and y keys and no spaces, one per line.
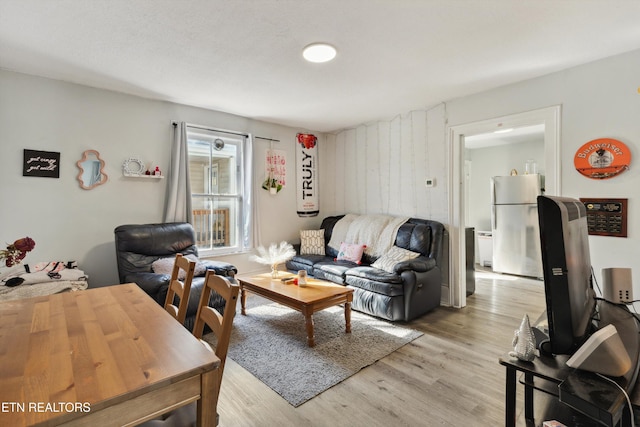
{"x":430,"y":182}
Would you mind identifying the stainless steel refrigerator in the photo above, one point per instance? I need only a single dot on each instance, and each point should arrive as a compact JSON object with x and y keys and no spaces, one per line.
{"x":514,"y":223}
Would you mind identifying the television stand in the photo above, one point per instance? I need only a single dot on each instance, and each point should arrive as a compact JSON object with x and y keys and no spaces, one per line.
{"x":566,"y":394}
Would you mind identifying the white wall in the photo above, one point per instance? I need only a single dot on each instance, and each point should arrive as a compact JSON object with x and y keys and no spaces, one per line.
{"x":69,"y":223}
{"x":598,"y":100}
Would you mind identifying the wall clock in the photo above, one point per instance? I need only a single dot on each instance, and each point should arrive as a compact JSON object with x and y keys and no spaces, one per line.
{"x":602,"y":158}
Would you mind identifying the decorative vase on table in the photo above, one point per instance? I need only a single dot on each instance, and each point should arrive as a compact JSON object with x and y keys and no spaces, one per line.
{"x":274,"y":256}
{"x":274,"y":271}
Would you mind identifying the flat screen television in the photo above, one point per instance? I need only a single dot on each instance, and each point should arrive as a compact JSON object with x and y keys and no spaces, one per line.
{"x":566,"y":264}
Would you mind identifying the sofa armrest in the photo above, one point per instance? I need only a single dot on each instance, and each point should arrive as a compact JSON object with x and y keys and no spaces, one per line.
{"x":220,"y":267}
{"x":419,"y":264}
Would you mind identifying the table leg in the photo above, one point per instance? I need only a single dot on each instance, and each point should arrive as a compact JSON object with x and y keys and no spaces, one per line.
{"x":243,"y":300}
{"x":510,"y":399}
{"x":347,"y":316}
{"x":207,"y":406}
{"x":528,"y":397}
{"x":308,"y":319}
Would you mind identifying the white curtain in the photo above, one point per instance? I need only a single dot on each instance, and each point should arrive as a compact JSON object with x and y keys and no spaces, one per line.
{"x":178,"y":201}
{"x":250,"y":234}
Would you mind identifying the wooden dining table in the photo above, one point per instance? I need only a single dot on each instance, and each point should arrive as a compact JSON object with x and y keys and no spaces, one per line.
{"x":107,"y":356}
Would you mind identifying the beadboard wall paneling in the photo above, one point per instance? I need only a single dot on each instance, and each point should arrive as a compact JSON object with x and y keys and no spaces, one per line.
{"x":381,"y":167}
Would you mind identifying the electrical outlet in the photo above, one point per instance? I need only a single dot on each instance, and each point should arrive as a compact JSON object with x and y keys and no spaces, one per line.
{"x":430,"y":182}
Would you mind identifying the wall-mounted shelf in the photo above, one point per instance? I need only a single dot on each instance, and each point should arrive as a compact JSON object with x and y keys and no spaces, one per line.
{"x":133,"y":175}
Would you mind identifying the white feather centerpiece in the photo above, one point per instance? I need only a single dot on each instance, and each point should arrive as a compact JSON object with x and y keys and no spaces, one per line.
{"x":274,"y":256}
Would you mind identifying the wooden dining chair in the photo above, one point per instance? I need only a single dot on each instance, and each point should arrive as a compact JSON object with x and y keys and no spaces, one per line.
{"x":180,"y":287}
{"x":221,"y":325}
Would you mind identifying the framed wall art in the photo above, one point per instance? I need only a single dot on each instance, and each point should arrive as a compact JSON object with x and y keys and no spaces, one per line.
{"x":606,"y":217}
{"x":41,"y":163}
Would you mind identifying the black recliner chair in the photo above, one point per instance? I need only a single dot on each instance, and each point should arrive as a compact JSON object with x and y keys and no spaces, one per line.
{"x":139,"y":245}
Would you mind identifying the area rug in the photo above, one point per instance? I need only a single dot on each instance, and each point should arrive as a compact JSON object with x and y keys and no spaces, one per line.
{"x":271,"y":343}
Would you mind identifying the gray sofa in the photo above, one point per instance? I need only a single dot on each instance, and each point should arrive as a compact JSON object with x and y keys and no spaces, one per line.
{"x":410,"y":291}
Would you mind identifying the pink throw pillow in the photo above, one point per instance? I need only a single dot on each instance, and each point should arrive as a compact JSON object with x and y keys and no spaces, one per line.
{"x":350,"y":252}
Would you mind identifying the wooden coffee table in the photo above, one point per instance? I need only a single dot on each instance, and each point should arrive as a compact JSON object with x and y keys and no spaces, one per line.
{"x":316,"y":296}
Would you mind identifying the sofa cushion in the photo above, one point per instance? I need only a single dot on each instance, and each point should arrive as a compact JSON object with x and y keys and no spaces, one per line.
{"x":351,"y":252}
{"x":383,"y":306}
{"x":333,"y":271}
{"x":312,"y":242}
{"x":327,"y":225}
{"x":371,"y":273}
{"x":388,"y":261}
{"x":375,"y":280}
{"x":415,"y":236}
{"x":309,"y":260}
{"x":306,"y":262}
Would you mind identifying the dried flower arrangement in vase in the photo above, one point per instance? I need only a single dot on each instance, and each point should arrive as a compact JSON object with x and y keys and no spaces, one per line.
{"x":274,"y":256}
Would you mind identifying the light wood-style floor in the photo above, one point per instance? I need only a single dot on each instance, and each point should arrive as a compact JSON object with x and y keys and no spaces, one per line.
{"x":448,"y":377}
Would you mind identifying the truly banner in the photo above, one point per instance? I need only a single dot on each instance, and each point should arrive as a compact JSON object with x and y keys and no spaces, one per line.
{"x":307,"y":175}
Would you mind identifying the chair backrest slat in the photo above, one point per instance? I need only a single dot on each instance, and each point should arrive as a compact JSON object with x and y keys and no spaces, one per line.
{"x":180,"y":287}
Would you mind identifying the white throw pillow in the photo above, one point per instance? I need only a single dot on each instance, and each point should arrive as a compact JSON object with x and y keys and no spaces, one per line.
{"x":165,"y":266}
{"x":312,"y":242}
{"x":395,"y":255}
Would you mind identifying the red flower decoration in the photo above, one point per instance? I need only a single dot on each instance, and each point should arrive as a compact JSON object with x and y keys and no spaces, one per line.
{"x":307,"y":140}
{"x":26,"y":244}
{"x":15,"y":252}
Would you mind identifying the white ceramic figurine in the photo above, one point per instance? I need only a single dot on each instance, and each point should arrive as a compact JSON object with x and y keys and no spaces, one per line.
{"x":524,"y":342}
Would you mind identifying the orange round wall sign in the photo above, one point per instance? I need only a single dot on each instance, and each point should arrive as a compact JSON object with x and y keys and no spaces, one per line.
{"x":602,"y":158}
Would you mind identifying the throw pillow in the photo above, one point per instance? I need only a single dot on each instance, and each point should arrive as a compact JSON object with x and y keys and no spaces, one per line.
{"x":395,"y":255}
{"x":351,"y":252}
{"x":312,"y":242}
{"x":165,"y":266}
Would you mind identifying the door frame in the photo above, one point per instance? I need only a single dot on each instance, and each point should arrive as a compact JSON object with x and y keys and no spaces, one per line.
{"x":550,"y":117}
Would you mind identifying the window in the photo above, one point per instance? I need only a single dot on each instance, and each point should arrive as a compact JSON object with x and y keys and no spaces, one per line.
{"x":220,"y":202}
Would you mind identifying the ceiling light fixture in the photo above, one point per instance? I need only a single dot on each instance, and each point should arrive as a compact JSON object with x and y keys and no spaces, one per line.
{"x":503,"y":130}
{"x":319,"y":52}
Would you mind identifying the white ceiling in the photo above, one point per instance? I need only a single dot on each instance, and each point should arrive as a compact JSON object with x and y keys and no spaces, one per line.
{"x":244,"y":56}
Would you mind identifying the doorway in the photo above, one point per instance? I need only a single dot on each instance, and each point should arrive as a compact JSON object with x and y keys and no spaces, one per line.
{"x":549,"y":118}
